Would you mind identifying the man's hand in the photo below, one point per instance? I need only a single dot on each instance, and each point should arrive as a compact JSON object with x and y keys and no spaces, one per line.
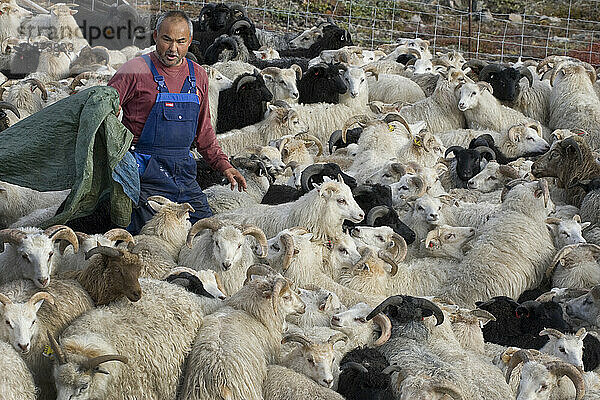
{"x":235,"y":178}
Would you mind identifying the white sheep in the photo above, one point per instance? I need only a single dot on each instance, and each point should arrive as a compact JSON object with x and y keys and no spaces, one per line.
{"x":29,"y":314}
{"x":575,"y":266}
{"x":322,"y":211}
{"x":11,"y":18}
{"x":493,"y":177}
{"x":150,"y":356}
{"x":282,"y":383}
{"x":360,"y":332}
{"x":281,"y":82}
{"x":30,"y":252}
{"x":321,"y":305}
{"x":500,"y":261}
{"x":231,"y":351}
{"x":389,"y":88}
{"x":59,"y":24}
{"x":161,"y":239}
{"x":26,"y":100}
{"x":279,"y":122}
{"x":566,"y":347}
{"x":567,"y":231}
{"x":216,"y":82}
{"x":573,"y":101}
{"x":224,"y":248}
{"x":483,"y":111}
{"x":16,"y":382}
{"x":19,"y":201}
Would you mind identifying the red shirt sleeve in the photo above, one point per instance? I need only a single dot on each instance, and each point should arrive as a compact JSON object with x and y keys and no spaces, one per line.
{"x":206,"y":139}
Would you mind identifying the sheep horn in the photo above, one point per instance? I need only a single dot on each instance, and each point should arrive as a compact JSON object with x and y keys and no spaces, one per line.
{"x":387,"y":257}
{"x":420,"y":184}
{"x":425,"y":304}
{"x":260,"y":237}
{"x":526,"y":72}
{"x":355,"y":366}
{"x":40,"y":86}
{"x":452,"y":149}
{"x":443,"y":386}
{"x":77,"y":80}
{"x":5,"y":300}
{"x":561,"y":368}
{"x":280,"y":285}
{"x":376,"y":212}
{"x":238,"y":24}
{"x":288,"y":244}
{"x":58,"y":232}
{"x":92,"y":363}
{"x":546,"y":61}
{"x":391,"y":369}
{"x":297,"y":70}
{"x":508,"y":186}
{"x":508,"y":171}
{"x":309,"y":172}
{"x":160,"y":200}
{"x":543,"y":185}
{"x":310,"y":138}
{"x":119,"y":234}
{"x":281,"y":103}
{"x":240,"y":8}
{"x":360,"y":119}
{"x":296,"y":338}
{"x":335,"y":137}
{"x":570,"y":141}
{"x":82,"y":237}
{"x":105,"y":251}
{"x":390,"y":301}
{"x":5,"y":105}
{"x":400,"y":245}
{"x":372,"y":69}
{"x":56,"y":349}
{"x":244,"y":80}
{"x":41,"y":296}
{"x":207,"y":223}
{"x":521,"y":356}
{"x":391,"y":117}
{"x":580,"y":332}
{"x":552,"y":332}
{"x":337,"y":338}
{"x":386,"y":328}
{"x":483,"y":314}
{"x":486,"y":150}
{"x":259,"y":269}
{"x":556,"y":70}
{"x":12,"y":236}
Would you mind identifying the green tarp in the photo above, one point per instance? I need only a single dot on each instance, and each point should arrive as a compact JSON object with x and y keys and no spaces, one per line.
{"x":75,"y":143}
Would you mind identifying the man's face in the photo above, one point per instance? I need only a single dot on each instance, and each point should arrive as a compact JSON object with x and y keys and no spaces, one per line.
{"x":172,"y":41}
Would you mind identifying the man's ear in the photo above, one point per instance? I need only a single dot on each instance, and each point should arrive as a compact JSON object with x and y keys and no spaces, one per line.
{"x":155,"y":35}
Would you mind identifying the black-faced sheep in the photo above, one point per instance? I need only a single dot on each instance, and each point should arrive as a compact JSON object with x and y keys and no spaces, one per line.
{"x":322,"y":83}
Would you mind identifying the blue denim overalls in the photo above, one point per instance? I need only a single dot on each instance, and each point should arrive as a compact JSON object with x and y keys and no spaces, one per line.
{"x":162,"y":152}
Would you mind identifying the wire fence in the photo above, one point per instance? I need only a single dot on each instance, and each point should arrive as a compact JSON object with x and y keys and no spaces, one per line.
{"x":535,"y":31}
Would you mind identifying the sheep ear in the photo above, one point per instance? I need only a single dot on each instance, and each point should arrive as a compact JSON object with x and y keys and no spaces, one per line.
{"x":513,"y":134}
{"x":38,"y":305}
{"x":155,"y":206}
{"x":271,"y":107}
{"x":585,"y":225}
{"x":307,"y":236}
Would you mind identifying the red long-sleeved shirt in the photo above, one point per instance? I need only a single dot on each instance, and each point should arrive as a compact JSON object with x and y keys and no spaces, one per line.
{"x":137,"y":94}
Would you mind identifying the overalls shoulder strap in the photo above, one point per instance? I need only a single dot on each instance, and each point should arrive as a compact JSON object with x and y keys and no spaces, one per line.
{"x":189,"y":86}
{"x":159,"y":79}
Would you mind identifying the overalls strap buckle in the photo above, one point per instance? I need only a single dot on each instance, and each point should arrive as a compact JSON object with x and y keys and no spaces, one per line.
{"x":191,"y":77}
{"x":159,"y":79}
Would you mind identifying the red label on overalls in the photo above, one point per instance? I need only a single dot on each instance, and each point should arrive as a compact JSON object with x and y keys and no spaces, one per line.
{"x":168,"y":104}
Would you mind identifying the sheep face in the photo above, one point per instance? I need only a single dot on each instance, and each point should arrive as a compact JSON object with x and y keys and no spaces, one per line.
{"x":316,"y":361}
{"x":306,"y":38}
{"x":391,"y":173}
{"x":122,"y":274}
{"x":527,"y":139}
{"x":217,"y":79}
{"x":505,"y":82}
{"x":348,"y":321}
{"x":268,"y":53}
{"x":339,"y":201}
{"x":568,"y":348}
{"x":227,"y":243}
{"x":281,"y":83}
{"x":448,"y":241}
{"x":344,"y":251}
{"x":561,"y":152}
{"x":469,"y":94}
{"x":35,"y":257}
{"x":271,"y":157}
{"x":492,"y":177}
{"x":586,"y":307}
{"x":290,"y":302}
{"x":379,"y":237}
{"x":424,"y":387}
{"x":20,"y":321}
{"x":356,"y":80}
{"x":568,"y":231}
{"x":83,"y":372}
{"x":321,"y":299}
{"x":277,"y":246}
{"x":428,"y":209}
{"x":537,"y":383}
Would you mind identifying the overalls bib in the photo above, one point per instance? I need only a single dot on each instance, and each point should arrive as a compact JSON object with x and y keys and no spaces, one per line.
{"x":162,"y":152}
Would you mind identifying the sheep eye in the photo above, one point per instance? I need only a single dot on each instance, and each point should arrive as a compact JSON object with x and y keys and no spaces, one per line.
{"x":404,"y":187}
{"x":218,"y":78}
{"x":343,"y":251}
{"x":530,"y":138}
{"x":420,"y":208}
{"x":296,"y":122}
{"x":310,"y":360}
{"x":32,"y":323}
{"x":380,"y":238}
{"x":562,"y":349}
{"x":360,"y":319}
{"x":341,"y":201}
{"x":387,"y":176}
{"x":492,"y":178}
{"x":25,"y":257}
{"x":239,"y":245}
{"x":275,"y":246}
{"x":8,"y":323}
{"x":543,"y":387}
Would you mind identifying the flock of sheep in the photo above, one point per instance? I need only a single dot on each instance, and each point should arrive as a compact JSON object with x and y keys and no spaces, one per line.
{"x":415,"y":227}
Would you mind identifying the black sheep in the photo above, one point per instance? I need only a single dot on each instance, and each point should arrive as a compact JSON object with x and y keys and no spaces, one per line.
{"x":333,"y":38}
{"x":212,"y":17}
{"x":190,"y":282}
{"x":468,"y":162}
{"x":487,"y":140}
{"x":24,"y":61}
{"x":283,"y":62}
{"x":365,"y":374}
{"x":322,"y":83}
{"x":376,"y":201}
{"x":244,"y":103}
{"x":505,"y":80}
{"x":206,"y":176}
{"x":279,"y":194}
{"x":520,"y":324}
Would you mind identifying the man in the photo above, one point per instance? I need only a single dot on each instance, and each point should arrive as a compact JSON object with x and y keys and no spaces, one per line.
{"x":164,"y":100}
